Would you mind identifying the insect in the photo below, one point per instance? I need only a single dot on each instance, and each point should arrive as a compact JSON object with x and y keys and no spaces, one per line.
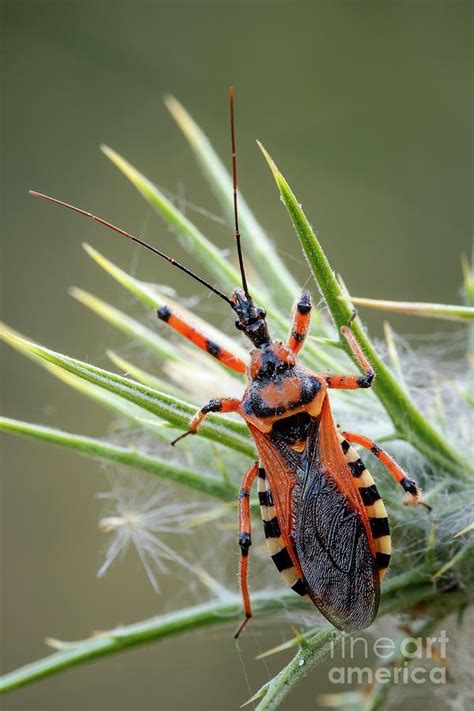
{"x":325,"y":524}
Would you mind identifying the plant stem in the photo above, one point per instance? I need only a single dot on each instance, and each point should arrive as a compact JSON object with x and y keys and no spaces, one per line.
{"x":175,"y":411}
{"x":449,"y":312}
{"x":123,"y":455}
{"x":116,"y":640}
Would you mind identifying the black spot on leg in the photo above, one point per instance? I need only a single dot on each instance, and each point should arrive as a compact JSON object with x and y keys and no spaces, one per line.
{"x":298,"y":337}
{"x":213,"y":348}
{"x":245,"y":542}
{"x":163,"y":313}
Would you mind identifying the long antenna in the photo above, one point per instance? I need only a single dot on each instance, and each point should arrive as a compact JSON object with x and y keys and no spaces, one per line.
{"x":234,"y":181}
{"x":134,"y":239}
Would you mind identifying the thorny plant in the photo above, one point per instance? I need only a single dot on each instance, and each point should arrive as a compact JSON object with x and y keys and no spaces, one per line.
{"x":429,"y":430}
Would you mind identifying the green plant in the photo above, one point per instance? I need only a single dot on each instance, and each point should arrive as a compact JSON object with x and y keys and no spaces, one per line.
{"x":419,"y":580}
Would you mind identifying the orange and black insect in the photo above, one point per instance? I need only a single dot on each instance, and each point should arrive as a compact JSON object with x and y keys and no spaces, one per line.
{"x":325,"y":524}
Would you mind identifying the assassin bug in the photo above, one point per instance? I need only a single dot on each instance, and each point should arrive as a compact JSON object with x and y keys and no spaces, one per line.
{"x":325,"y":524}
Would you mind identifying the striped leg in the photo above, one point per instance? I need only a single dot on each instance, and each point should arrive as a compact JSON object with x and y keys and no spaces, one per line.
{"x":301,"y":322}
{"x":201,"y":340}
{"x":374,"y":505}
{"x":223,"y":404}
{"x":353,"y":382}
{"x":408,"y":485}
{"x":245,"y":541}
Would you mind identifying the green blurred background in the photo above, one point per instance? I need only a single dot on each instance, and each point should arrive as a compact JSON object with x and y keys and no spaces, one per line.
{"x":365,"y":106}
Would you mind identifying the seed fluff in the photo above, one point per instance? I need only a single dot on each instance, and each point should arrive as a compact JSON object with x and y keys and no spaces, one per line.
{"x":138,"y":514}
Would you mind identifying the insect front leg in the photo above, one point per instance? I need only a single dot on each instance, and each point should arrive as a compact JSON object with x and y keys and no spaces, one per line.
{"x":223,"y":404}
{"x":301,"y":323}
{"x":408,"y":485}
{"x":245,"y":542}
{"x":179,"y":324}
{"x":353,"y":382}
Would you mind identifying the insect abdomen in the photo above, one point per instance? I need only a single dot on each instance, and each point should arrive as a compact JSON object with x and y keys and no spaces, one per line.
{"x":374,"y":506}
{"x":275,"y":544}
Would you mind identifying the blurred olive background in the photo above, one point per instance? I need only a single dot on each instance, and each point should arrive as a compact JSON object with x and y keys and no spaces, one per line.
{"x":365,"y":106}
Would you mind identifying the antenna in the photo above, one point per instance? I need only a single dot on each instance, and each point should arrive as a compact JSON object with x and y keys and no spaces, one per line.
{"x":234,"y":182}
{"x":134,"y":239}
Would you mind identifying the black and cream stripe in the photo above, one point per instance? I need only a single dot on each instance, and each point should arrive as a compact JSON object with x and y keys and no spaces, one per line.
{"x":275,"y":543}
{"x":374,"y":505}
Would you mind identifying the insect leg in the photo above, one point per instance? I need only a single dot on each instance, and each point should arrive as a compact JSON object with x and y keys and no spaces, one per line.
{"x":301,"y":322}
{"x":179,"y":324}
{"x":223,"y":404}
{"x":408,"y":485}
{"x":245,"y":542}
{"x":353,"y":382}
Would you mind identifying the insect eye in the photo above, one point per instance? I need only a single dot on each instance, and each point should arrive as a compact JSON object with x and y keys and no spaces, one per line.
{"x":281,"y":367}
{"x":239,"y":325}
{"x":261,"y":313}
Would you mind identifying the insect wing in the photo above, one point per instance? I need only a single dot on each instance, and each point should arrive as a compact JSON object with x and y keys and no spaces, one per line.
{"x":281,"y":473}
{"x":330,"y":533}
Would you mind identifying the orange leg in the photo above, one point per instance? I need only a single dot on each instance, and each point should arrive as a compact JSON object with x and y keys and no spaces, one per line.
{"x":353,"y":382}
{"x":200,"y":340}
{"x":395,"y":470}
{"x":301,"y":322}
{"x":245,"y":542}
{"x":223,"y":404}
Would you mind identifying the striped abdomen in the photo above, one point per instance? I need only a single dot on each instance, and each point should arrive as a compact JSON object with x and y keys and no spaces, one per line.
{"x":374,"y":505}
{"x":275,"y":543}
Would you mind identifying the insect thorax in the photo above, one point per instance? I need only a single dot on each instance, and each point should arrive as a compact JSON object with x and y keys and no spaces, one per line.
{"x":281,"y":395}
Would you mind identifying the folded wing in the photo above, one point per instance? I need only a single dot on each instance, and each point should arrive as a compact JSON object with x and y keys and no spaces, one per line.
{"x":330,"y":534}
